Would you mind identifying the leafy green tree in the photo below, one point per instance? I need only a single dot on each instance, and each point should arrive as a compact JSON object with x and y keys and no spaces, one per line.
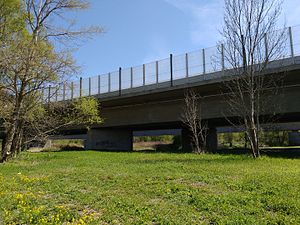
{"x":29,"y":60}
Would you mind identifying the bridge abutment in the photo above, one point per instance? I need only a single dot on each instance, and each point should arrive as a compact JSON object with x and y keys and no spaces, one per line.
{"x":109,"y":139}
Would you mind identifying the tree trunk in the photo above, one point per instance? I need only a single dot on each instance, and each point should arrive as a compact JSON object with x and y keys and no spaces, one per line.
{"x":2,"y":147}
{"x":17,"y":140}
{"x":6,"y":149}
{"x":253,"y":138}
{"x":199,"y":143}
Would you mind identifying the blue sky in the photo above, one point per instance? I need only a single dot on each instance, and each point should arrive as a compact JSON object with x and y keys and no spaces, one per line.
{"x":140,"y":31}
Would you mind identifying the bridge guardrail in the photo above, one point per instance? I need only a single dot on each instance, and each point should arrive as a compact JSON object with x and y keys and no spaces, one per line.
{"x":197,"y":63}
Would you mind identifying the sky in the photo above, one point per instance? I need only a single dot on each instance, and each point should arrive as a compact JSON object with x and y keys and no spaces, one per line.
{"x":141,"y":31}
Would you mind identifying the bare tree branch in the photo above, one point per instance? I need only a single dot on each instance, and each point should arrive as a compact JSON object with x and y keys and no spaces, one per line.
{"x":251,"y":42}
{"x":192,"y":119}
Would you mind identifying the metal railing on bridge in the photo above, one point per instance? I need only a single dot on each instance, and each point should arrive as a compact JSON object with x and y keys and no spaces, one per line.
{"x":155,"y":74}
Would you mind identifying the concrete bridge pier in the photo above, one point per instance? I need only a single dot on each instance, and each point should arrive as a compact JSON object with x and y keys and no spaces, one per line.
{"x":294,"y":138}
{"x":211,"y":140}
{"x":109,"y":139}
{"x":186,"y":140}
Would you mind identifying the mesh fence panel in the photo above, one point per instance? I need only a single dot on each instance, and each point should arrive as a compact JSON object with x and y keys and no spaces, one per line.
{"x":104,"y":83}
{"x":227,"y":61}
{"x":195,"y":61}
{"x":85,"y":87}
{"x":76,"y":89}
{"x":53,"y":94}
{"x":213,"y":60}
{"x":296,"y":40}
{"x":126,"y":78}
{"x":44,"y":94}
{"x":137,"y":76}
{"x":94,"y":85}
{"x":60,"y":93}
{"x":150,"y":72}
{"x":68,"y":91}
{"x":179,"y":66}
{"x":164,"y":73}
{"x":286,"y":52}
{"x":114,"y":81}
{"x":283,"y":50}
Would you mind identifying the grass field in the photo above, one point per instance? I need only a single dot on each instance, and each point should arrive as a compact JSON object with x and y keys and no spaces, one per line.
{"x":138,"y":188}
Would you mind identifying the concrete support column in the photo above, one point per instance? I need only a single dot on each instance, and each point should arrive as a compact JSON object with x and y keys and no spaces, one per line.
{"x":186,"y":140}
{"x":109,"y":139}
{"x":294,"y":138}
{"x":212,"y":140}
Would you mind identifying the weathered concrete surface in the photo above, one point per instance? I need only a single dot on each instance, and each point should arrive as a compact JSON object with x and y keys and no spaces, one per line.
{"x":294,"y":139}
{"x":109,"y":139}
{"x":212,"y":139}
{"x":186,"y":139}
{"x":170,"y":111}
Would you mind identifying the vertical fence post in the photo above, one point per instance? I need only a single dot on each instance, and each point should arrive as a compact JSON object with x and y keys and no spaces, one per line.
{"x":49,"y":94}
{"x":291,"y":43}
{"x":156,"y":71}
{"x":203,"y":60}
{"x":109,"y":83}
{"x":56,"y":93}
{"x":131,"y":77}
{"x":90,"y":86}
{"x":99,"y":84}
{"x":120,"y":81}
{"x":72,"y":90}
{"x":64,"y":91}
{"x":244,"y":55}
{"x":223,"y":57}
{"x":80,"y":87}
{"x":171,"y":69}
{"x":144,"y":75}
{"x":186,"y":65}
{"x":266,"y":47}
{"x":43,"y":95}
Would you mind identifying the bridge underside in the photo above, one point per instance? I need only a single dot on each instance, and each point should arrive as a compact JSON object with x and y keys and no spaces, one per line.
{"x":158,"y":110}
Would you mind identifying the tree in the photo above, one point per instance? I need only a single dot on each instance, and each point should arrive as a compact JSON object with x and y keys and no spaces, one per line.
{"x":30,"y":60}
{"x":46,"y":121}
{"x":192,"y":119}
{"x":252,"y":41}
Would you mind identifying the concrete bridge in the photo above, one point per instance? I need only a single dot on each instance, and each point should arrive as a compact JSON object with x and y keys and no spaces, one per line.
{"x":150,"y":96}
{"x":161,"y":108}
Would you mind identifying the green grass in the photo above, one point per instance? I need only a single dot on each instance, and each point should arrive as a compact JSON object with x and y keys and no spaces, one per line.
{"x":138,"y":188}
